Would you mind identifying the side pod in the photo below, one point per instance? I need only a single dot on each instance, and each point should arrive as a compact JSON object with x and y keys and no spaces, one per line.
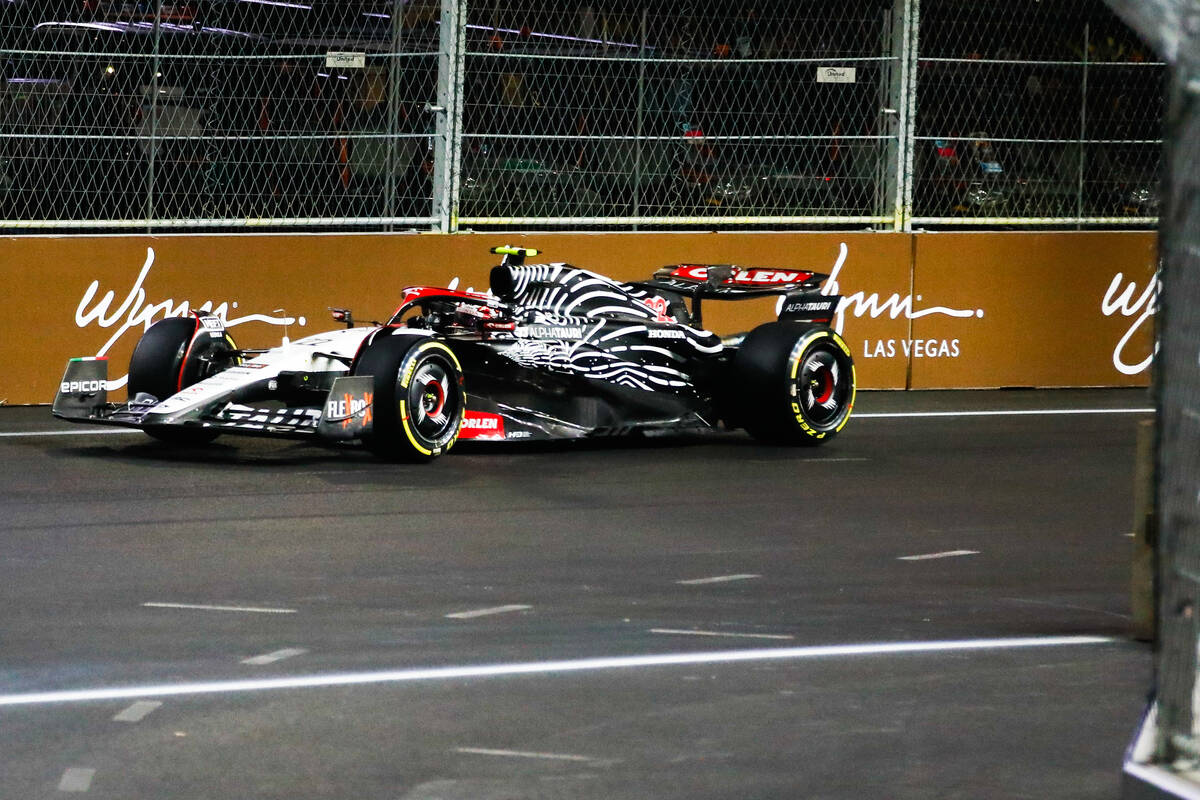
{"x":84,"y":389}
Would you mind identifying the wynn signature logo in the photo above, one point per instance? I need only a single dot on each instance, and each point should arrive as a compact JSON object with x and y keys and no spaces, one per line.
{"x":1125,"y":300}
{"x":861,"y":304}
{"x":135,"y":312}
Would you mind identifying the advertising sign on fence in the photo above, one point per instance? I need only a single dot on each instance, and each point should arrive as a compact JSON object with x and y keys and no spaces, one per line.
{"x":925,"y":311}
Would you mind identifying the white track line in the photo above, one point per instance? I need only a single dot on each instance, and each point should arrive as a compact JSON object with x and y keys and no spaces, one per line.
{"x":76,"y":779}
{"x":487,"y":612}
{"x":250,"y":609}
{"x":483,"y":751}
{"x":944,"y":554}
{"x":278,"y":655}
{"x":1022,"y":412}
{"x":543,"y":668}
{"x":718,"y":579}
{"x":94,"y":432}
{"x":858,"y":415}
{"x":682,"y":632}
{"x":138,"y":711}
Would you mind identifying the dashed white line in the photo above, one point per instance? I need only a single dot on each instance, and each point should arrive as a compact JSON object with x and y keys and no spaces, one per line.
{"x":718,"y":579}
{"x":251,"y":609}
{"x":485,"y":612}
{"x":138,"y":711}
{"x":545,"y":668}
{"x":483,"y":751}
{"x":685,"y":632}
{"x":278,"y":655}
{"x":76,"y":779}
{"x":946,"y":554}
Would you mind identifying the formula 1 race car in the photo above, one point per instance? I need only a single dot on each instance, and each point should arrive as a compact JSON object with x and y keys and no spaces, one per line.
{"x":551,"y":352}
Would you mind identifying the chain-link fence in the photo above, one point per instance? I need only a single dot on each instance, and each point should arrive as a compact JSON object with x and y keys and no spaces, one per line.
{"x":127,"y":114}
{"x":378,"y":114}
{"x":1034,"y":112}
{"x":680,"y":113}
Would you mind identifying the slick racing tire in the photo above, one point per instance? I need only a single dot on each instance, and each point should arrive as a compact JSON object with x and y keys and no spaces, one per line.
{"x":793,"y":384}
{"x":170,"y":357}
{"x":419,"y":398}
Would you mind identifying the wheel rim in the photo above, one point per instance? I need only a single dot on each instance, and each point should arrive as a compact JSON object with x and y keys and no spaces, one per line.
{"x":432,"y":402}
{"x":821,"y":388}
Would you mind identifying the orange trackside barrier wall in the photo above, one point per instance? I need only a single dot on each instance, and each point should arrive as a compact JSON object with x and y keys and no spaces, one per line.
{"x":929,"y":310}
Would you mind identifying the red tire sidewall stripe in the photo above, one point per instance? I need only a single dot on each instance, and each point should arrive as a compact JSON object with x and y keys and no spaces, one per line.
{"x":188,"y":352}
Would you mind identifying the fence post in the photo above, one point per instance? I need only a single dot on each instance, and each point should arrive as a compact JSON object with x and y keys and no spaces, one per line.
{"x":897,"y":114}
{"x":447,"y":153}
{"x":393,"y":118}
{"x":152,"y":149}
{"x":908,"y":120}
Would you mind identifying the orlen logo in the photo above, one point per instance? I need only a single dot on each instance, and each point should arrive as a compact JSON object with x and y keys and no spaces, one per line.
{"x":482,"y":425}
{"x":700,"y":273}
{"x":83,"y":387}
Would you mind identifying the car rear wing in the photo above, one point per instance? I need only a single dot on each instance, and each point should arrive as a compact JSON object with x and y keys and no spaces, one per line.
{"x":801,"y":288}
{"x":732,"y":282}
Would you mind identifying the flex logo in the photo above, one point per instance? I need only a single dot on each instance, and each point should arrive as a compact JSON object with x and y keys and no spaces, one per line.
{"x":346,"y":408}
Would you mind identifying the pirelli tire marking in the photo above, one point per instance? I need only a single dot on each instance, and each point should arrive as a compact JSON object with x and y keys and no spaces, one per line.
{"x":796,"y":358}
{"x":447,"y":438}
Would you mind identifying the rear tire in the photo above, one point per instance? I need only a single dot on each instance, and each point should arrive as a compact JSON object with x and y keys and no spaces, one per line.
{"x":169,"y":358}
{"x":792,"y":384}
{"x":419,"y":398}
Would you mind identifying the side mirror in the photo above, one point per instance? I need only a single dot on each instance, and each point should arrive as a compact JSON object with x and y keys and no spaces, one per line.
{"x":342,"y":315}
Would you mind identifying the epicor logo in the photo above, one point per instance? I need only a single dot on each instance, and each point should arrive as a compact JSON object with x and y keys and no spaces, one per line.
{"x":83,"y":387}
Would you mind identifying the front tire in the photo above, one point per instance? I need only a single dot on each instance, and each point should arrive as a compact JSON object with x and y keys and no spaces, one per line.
{"x":793,"y":384}
{"x":170,"y":357}
{"x":419,"y":397}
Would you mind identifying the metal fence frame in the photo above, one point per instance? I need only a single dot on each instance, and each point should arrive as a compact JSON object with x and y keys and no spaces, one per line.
{"x":894,"y":178}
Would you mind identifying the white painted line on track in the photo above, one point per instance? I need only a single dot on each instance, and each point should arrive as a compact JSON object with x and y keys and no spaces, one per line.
{"x":718,"y":579}
{"x":1014,"y":412}
{"x":545,"y":668}
{"x":251,"y":609}
{"x":278,"y":655}
{"x":138,"y":711}
{"x":487,"y":612}
{"x":483,"y":751}
{"x":76,"y":779}
{"x":682,"y":632}
{"x":95,"y":432}
{"x":945,"y":554}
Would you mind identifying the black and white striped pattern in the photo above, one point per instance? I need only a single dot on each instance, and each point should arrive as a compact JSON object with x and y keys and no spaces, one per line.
{"x":623,"y":342}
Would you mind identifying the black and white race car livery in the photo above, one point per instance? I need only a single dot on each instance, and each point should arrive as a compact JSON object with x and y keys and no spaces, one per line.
{"x":552,"y":351}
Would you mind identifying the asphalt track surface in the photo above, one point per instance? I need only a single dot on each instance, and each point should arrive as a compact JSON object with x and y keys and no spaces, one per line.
{"x":493,"y":626}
